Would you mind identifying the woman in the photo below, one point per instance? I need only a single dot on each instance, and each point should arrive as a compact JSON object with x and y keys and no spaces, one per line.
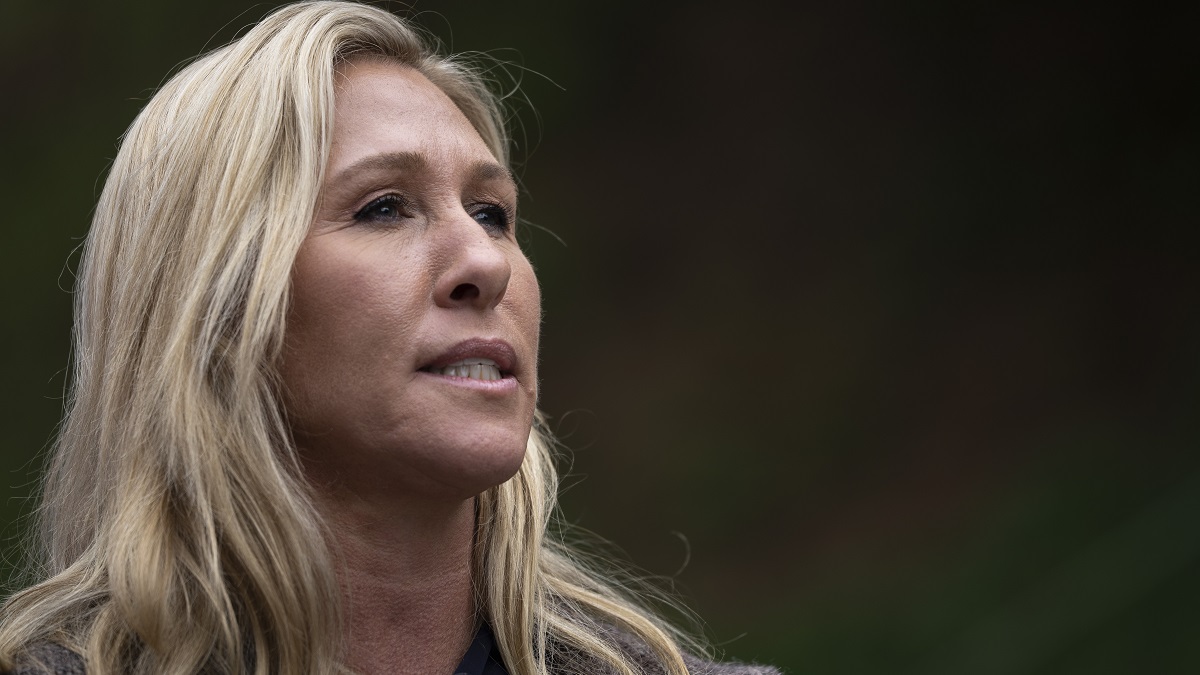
{"x":302,"y":434}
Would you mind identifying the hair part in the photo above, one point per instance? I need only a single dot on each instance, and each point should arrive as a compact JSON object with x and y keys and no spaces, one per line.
{"x":177,"y":533}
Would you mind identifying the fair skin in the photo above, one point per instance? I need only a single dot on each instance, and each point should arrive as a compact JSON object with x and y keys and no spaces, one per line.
{"x":411,"y":360}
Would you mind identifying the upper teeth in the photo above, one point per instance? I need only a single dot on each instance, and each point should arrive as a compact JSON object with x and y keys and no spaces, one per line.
{"x":473,"y":368}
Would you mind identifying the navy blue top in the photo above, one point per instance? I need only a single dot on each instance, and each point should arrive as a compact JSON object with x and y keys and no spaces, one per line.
{"x":483,"y":656}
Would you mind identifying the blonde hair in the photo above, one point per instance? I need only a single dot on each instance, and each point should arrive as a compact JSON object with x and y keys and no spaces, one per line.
{"x":177,"y":534}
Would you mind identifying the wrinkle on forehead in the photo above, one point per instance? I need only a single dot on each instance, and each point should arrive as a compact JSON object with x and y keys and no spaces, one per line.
{"x":413,"y":162}
{"x":383,"y":106}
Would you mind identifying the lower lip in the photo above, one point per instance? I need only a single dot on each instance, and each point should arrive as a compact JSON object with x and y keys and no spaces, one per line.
{"x":504,"y":385}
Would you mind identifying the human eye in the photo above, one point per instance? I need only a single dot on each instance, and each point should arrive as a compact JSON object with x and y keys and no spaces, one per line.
{"x":493,"y":217}
{"x":389,"y":208}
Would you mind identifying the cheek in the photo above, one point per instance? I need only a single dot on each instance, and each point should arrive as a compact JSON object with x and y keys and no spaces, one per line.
{"x":528,"y":297}
{"x":350,"y":319}
{"x":347,"y":292}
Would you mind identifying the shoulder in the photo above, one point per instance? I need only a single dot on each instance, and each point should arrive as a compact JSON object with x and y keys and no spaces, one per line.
{"x":700,"y":667}
{"x":646,"y":661}
{"x":48,"y":659}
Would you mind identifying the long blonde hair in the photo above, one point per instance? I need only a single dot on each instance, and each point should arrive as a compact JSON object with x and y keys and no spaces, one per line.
{"x":176,"y":530}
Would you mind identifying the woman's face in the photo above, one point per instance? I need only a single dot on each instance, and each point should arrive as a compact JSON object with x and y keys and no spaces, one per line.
{"x":411,"y":354}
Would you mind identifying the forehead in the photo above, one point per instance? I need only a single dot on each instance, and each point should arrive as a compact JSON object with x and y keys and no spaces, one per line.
{"x":382,"y":106}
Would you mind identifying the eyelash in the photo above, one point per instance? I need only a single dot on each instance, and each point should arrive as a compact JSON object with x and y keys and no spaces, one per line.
{"x":368,"y":213}
{"x":400,"y":205}
{"x":505,"y":214}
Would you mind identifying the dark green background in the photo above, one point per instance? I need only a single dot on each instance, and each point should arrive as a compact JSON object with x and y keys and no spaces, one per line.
{"x":881,"y":316}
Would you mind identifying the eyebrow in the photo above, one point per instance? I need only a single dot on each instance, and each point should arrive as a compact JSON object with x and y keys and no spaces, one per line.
{"x":479,"y":172}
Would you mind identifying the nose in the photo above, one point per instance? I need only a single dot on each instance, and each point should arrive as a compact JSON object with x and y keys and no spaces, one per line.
{"x":477,"y":268}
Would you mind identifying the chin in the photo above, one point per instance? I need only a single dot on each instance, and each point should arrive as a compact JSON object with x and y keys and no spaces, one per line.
{"x":479,"y":466}
{"x":500,"y":475}
{"x":500,"y":467}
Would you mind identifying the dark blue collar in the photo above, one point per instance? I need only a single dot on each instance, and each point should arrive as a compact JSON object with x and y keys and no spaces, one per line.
{"x":483,"y":656}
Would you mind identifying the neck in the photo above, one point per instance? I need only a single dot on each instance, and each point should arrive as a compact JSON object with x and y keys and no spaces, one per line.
{"x":405,"y":575}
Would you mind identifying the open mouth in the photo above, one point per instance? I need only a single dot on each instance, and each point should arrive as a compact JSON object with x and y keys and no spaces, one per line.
{"x":482,"y":369}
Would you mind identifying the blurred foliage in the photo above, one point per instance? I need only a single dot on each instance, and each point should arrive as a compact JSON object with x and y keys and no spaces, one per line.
{"x":879,"y":316}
